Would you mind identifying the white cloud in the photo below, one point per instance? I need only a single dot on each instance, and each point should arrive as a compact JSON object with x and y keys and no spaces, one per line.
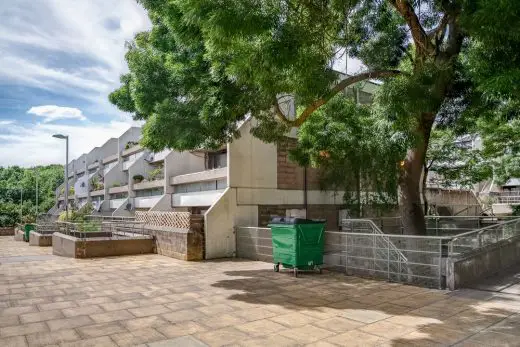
{"x":82,"y":55}
{"x":6,"y":122}
{"x":32,"y":145}
{"x":51,"y":113}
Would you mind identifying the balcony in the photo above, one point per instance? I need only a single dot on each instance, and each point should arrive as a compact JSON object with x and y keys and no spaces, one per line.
{"x":206,"y":198}
{"x":116,"y":203}
{"x":131,"y":150}
{"x":94,"y":165}
{"x":149,"y":184}
{"x":146,"y":202}
{"x":207,"y":175}
{"x":110,"y":159}
{"x":509,"y":197}
{"x":99,"y":192}
{"x":116,"y":190}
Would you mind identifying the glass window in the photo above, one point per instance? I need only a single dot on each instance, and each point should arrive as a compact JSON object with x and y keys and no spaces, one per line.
{"x":149,"y":192}
{"x":217,"y":160}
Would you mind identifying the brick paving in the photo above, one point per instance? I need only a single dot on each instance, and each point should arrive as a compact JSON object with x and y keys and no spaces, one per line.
{"x":152,"y":300}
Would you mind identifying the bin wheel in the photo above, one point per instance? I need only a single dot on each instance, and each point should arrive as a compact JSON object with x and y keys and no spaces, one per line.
{"x":295,"y":272}
{"x":319,"y":270}
{"x":276,"y":267}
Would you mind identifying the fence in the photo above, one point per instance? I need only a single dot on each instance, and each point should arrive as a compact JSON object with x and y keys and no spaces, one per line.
{"x":440,"y":225}
{"x":112,"y":229}
{"x":180,"y":220}
{"x":469,"y":241}
{"x":365,"y":252}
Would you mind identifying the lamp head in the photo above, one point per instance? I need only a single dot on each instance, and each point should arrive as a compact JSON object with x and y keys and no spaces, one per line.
{"x":60,"y":136}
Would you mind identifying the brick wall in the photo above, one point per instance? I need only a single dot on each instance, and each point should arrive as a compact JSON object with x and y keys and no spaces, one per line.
{"x":184,"y":244}
{"x":327,"y":212}
{"x":290,"y":175}
{"x":9,"y":231}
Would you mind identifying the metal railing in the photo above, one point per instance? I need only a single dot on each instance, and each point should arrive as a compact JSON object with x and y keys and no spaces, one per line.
{"x":473,"y":240}
{"x":112,"y":229}
{"x":397,"y":258}
{"x":108,"y":218}
{"x":442,"y":225}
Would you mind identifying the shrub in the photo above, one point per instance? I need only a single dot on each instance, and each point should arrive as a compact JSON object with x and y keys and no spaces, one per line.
{"x":155,"y":174}
{"x":138,"y":178}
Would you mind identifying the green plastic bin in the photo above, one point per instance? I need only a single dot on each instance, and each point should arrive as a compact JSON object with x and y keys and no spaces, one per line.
{"x":297,"y":243}
{"x":27,"y":230}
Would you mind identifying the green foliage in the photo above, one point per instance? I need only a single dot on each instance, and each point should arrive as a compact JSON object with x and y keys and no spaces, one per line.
{"x":357,"y":151}
{"x":95,"y":184}
{"x":156,"y":174}
{"x":77,"y":216}
{"x":13,"y":179}
{"x":131,"y":144}
{"x":116,"y":184}
{"x":208,"y":64}
{"x":138,"y":178}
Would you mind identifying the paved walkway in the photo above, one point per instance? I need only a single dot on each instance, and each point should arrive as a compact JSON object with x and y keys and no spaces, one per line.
{"x":506,"y":282}
{"x":158,"y":301}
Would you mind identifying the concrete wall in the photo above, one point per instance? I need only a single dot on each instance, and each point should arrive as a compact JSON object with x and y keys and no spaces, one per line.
{"x":121,"y":211}
{"x":219,"y":226}
{"x":251,"y":162}
{"x":41,"y":240}
{"x":68,"y":246}
{"x":131,"y":134}
{"x":184,"y":244}
{"x":458,"y":200}
{"x":138,"y":167}
{"x":114,"y":175}
{"x":109,"y":148}
{"x":482,"y":263}
{"x":164,"y":204}
{"x":181,"y":163}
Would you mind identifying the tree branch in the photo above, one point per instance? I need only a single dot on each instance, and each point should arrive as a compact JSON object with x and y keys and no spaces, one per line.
{"x":338,"y":88}
{"x":419,"y":36}
{"x":280,"y":114}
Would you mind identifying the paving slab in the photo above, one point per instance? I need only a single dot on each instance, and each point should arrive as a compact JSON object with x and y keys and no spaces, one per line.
{"x":156,"y":301}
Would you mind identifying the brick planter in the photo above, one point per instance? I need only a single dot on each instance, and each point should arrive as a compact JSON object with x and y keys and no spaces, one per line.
{"x":38,"y":239}
{"x":9,"y":231}
{"x":183,"y":244}
{"x":94,"y":247}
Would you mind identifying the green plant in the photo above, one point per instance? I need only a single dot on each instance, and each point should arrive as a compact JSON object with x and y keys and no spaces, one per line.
{"x":130,"y":144}
{"x":138,"y":178}
{"x":155,"y":174}
{"x":116,"y":184}
{"x":71,"y":191}
{"x":95,"y":184}
{"x":516,"y":210}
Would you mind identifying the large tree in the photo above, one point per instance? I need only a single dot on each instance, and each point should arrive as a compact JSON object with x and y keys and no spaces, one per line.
{"x":206,"y":64}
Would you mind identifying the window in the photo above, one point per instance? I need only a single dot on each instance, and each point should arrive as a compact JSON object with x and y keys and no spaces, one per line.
{"x":149,"y":192}
{"x":201,"y":186}
{"x":217,"y":160}
{"x":119,"y":196}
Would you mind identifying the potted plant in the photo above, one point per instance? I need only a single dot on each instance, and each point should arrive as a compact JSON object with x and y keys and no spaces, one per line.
{"x":155,"y":174}
{"x":138,"y":178}
{"x":116,"y":184}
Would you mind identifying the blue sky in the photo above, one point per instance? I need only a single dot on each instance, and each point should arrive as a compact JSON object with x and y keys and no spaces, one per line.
{"x":59,"y":60}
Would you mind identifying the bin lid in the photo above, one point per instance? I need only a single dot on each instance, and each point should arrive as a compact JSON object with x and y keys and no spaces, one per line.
{"x":294,"y":220}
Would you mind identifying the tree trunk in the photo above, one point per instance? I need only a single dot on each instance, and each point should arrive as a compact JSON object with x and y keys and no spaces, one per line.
{"x":423,"y":190}
{"x":412,"y":214}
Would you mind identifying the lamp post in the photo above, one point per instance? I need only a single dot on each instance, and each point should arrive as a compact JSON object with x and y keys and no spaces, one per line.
{"x":21,"y":205}
{"x":66,"y":138}
{"x":37,"y":174}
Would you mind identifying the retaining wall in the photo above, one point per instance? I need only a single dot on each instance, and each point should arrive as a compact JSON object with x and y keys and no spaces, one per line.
{"x":69,"y":246}
{"x":183,"y":244}
{"x":9,"y":231}
{"x":482,"y":263}
{"x":38,"y":239}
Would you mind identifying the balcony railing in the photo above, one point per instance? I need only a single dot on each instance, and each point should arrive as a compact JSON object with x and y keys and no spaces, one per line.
{"x":512,"y":197}
{"x":207,"y":175}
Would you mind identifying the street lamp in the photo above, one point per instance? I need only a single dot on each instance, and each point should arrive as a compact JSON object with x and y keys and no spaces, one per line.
{"x":66,"y":138}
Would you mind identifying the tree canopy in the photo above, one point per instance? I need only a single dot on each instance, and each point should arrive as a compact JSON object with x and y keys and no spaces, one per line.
{"x":207,"y":64}
{"x":14,"y":179}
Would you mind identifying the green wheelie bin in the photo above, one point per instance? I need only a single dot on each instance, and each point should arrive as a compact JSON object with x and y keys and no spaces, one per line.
{"x":27,"y":230}
{"x":297,"y":243}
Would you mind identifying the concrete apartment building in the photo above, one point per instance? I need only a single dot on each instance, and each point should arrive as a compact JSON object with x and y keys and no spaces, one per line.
{"x":244,"y":183}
